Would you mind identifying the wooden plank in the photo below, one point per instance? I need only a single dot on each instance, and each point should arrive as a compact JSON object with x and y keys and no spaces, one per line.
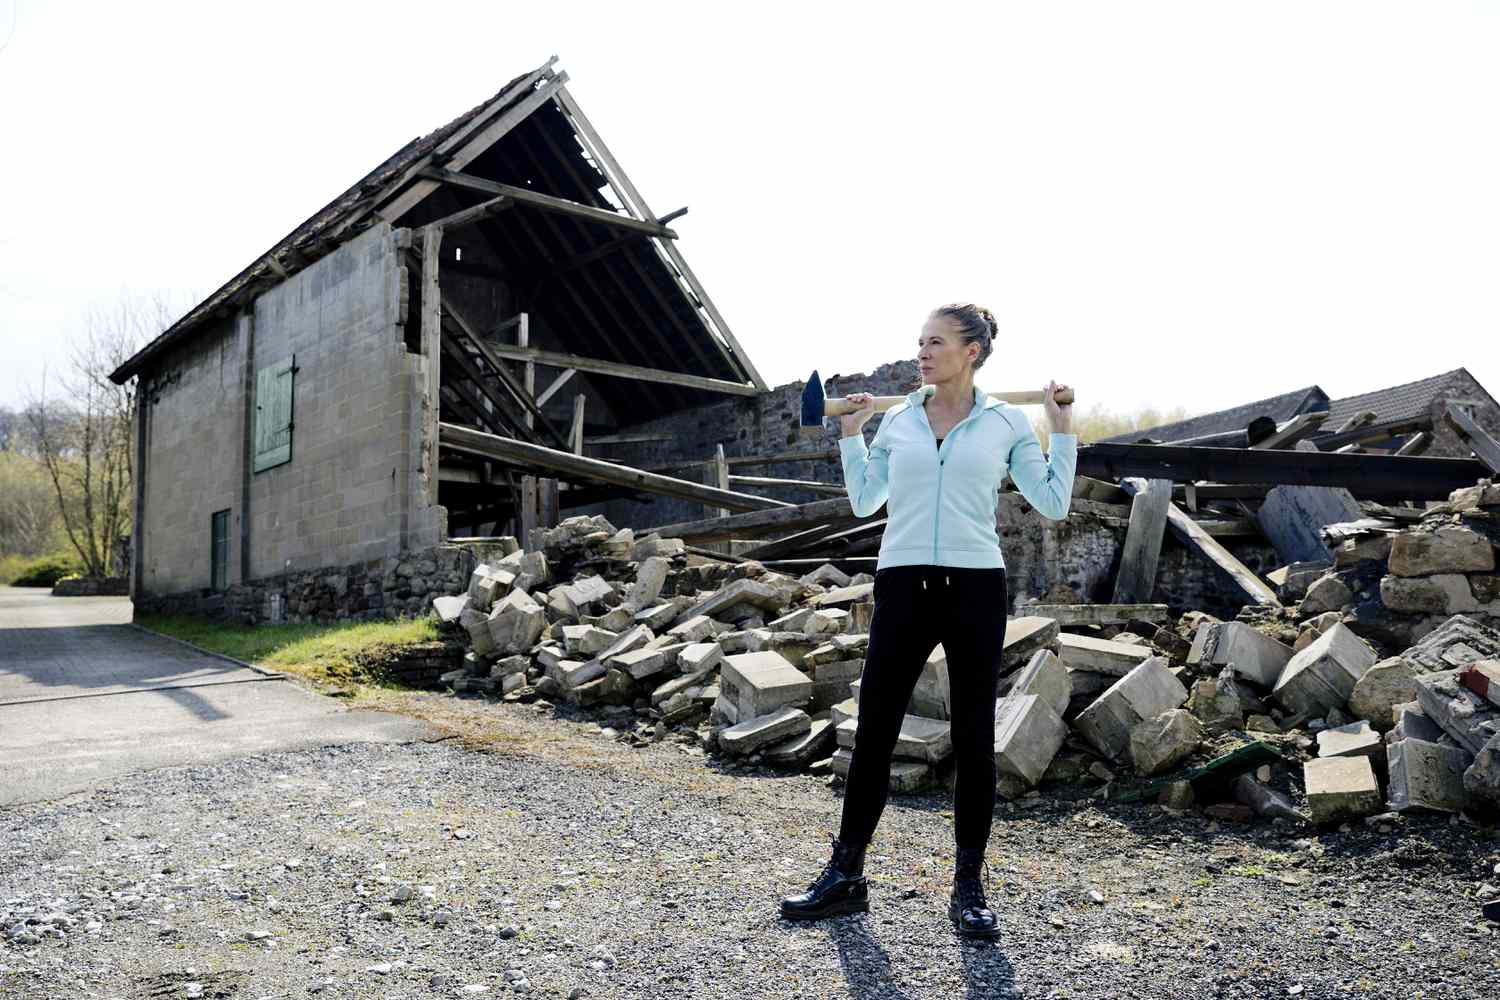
{"x":529,"y":512}
{"x":791,"y":544}
{"x":1099,"y":614}
{"x":1294,"y":430}
{"x":1416,"y":444}
{"x":1372,"y":477}
{"x":486,"y":351}
{"x":576,"y":434}
{"x":1358,"y":420}
{"x":474,"y":213}
{"x":432,"y":356}
{"x":799,"y":484}
{"x":1194,"y":537}
{"x":482,"y":140}
{"x":528,"y":373}
{"x":1375,"y":433}
{"x":465,"y":369}
{"x":491,"y":446}
{"x":547,"y":202}
{"x":763,"y":522}
{"x":1136,"y":578}
{"x":630,"y":197}
{"x":619,"y":370}
{"x":604,"y":439}
{"x":1477,"y":438}
{"x":557,"y":384}
{"x":721,"y":473}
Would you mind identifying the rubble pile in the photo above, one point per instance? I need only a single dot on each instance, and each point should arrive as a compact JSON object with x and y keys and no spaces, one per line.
{"x":730,"y":658}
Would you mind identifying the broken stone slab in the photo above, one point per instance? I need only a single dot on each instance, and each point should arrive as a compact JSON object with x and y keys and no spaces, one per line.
{"x":1028,"y":734}
{"x":640,"y":663}
{"x":515,"y":623}
{"x":696,"y":656}
{"x":587,"y":591}
{"x":801,"y":750}
{"x":1412,"y":723}
{"x":678,"y":685}
{"x":1254,"y":655}
{"x":844,"y":596}
{"x":1024,"y":635}
{"x":696,"y":628}
{"x":906,"y":775}
{"x":1375,"y":547}
{"x":1086,"y":682}
{"x":827,"y":575}
{"x":826,"y":621}
{"x":510,"y":666}
{"x":588,"y":694}
{"x":586,"y":640}
{"x":1146,"y":691}
{"x":573,"y":674}
{"x":792,"y":621}
{"x":1354,"y":740}
{"x":1450,"y":549}
{"x":615,"y":620}
{"x":655,"y":545}
{"x":533,"y":572}
{"x":487,"y":584}
{"x":854,"y":689}
{"x":1161,"y":742}
{"x":1046,"y":677}
{"x":1322,"y":676}
{"x":650,"y":576}
{"x":660,"y":617}
{"x":1457,"y":642}
{"x":927,"y":740}
{"x":761,"y":683}
{"x":1462,"y":714}
{"x":1426,"y":776}
{"x":840,"y":647}
{"x":448,"y":609}
{"x":1340,"y":788}
{"x":838,"y":670}
{"x":749,"y":592}
{"x":632,"y":639}
{"x":931,"y":696}
{"x":1100,"y":656}
{"x":843,"y":711}
{"x":1482,"y":779}
{"x":477,"y":625}
{"x":1384,"y":686}
{"x":753,"y":733}
{"x":1215,"y":703}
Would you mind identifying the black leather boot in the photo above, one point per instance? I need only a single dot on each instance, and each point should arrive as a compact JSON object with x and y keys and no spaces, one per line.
{"x":966,"y":908}
{"x":840,"y":889}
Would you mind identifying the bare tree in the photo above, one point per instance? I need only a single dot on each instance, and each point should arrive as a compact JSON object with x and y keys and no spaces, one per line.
{"x":84,"y":437}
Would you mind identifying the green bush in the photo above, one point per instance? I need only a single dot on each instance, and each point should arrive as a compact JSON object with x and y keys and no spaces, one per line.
{"x":41,"y":571}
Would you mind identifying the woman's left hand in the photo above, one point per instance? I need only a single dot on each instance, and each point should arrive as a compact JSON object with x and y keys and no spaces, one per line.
{"x":1059,"y":415}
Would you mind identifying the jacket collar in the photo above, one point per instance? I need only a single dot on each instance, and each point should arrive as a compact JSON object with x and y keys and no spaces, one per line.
{"x":981,"y":400}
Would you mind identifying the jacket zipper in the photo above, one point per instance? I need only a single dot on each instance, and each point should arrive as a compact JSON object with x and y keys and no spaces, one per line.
{"x":938,"y":508}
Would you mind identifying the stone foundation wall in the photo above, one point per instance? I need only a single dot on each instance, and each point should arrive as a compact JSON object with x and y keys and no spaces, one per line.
{"x":421,"y":665}
{"x":92,"y":586}
{"x":379,"y":588}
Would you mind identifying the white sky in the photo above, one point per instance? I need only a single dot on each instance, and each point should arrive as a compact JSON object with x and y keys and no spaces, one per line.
{"x":1165,"y":204}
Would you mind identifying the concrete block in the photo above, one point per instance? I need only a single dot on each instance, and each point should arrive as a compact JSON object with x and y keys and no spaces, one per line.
{"x":1426,"y":776}
{"x":1340,"y":788}
{"x":1100,"y":656}
{"x":586,"y":640}
{"x":760,"y":683}
{"x":827,"y":575}
{"x":1384,"y":686}
{"x":826,"y":621}
{"x":1024,"y":635}
{"x":1354,"y":740}
{"x":1046,"y":677}
{"x":477,"y":625}
{"x":844,"y":596}
{"x":1462,"y":714}
{"x":854,"y":689}
{"x":677,"y":685}
{"x":1086,"y":682}
{"x":1161,"y":742}
{"x":699,"y":656}
{"x":906,"y":775}
{"x":512,"y":682}
{"x":1146,"y":691}
{"x":927,"y":740}
{"x":659,"y":617}
{"x":1482,"y":779}
{"x":1322,"y":676}
{"x":750,"y":592}
{"x":1412,"y":723}
{"x":1326,"y":593}
{"x":1215,"y":703}
{"x":650,"y":576}
{"x":801,"y":750}
{"x":843,"y":711}
{"x":1483,"y":678}
{"x":1443,"y":593}
{"x":838,"y":670}
{"x":1254,"y":655}
{"x":1457,"y":642}
{"x":634,"y":638}
{"x":1451,"y":549}
{"x":931,"y":697}
{"x":753,"y":733}
{"x":1028,"y":734}
{"x":515,"y":623}
{"x":575,"y":673}
{"x":510,"y":666}
{"x":792,"y":621}
{"x":695,"y":628}
{"x":640,"y":663}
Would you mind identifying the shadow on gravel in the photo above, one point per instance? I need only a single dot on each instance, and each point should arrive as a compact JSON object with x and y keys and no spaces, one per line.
{"x":867,"y":966}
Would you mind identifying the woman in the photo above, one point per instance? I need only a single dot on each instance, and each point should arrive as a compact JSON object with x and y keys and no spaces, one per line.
{"x":938,"y":459}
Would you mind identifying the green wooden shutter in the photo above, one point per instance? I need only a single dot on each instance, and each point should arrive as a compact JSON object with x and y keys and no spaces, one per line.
{"x":273,"y":414}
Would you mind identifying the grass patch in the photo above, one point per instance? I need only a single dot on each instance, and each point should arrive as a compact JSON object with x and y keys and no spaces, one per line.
{"x":335,"y":654}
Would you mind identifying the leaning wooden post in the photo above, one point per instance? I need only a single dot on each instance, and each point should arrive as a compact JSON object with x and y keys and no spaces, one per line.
{"x":528,"y":511}
{"x":1148,"y":521}
{"x":721,"y":480}
{"x":528,"y":379}
{"x":432,"y":354}
{"x":577,"y":432}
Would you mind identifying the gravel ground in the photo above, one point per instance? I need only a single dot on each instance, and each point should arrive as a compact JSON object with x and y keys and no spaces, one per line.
{"x":535,"y":855}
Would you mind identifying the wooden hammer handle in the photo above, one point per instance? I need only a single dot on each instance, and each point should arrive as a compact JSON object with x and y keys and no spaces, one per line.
{"x":838,"y":406}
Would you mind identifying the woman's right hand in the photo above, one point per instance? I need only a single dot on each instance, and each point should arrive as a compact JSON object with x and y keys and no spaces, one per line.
{"x":851,"y":424}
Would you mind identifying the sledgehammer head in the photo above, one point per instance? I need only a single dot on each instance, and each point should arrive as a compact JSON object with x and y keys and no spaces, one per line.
{"x":813,"y":399}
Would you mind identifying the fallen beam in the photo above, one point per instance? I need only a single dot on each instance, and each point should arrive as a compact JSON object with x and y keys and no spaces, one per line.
{"x":787,"y":517}
{"x":1194,"y":537}
{"x":1477,"y":438}
{"x":800,"y":484}
{"x":1373,"y":477}
{"x":547,"y":202}
{"x":503,"y":449}
{"x":1136,"y":578}
{"x":599,"y":366}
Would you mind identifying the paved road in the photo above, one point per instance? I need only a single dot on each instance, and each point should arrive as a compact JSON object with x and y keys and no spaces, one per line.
{"x":85,"y":697}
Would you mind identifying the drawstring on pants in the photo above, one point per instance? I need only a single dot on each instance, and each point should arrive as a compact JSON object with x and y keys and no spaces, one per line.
{"x":946,"y":582}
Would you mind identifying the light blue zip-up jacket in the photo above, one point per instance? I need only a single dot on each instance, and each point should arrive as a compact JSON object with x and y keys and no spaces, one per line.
{"x":941,"y":500}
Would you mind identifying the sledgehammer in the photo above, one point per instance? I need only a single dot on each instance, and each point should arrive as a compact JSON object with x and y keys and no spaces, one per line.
{"x":816,"y":405}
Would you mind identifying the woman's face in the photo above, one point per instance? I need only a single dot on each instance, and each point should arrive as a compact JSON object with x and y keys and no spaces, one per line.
{"x":941,"y":351}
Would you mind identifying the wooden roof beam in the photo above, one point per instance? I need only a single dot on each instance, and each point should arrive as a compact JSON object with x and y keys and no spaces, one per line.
{"x":619,"y":370}
{"x":547,"y":202}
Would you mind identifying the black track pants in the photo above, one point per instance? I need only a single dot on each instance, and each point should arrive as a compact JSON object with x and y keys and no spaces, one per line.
{"x":917,"y":607}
